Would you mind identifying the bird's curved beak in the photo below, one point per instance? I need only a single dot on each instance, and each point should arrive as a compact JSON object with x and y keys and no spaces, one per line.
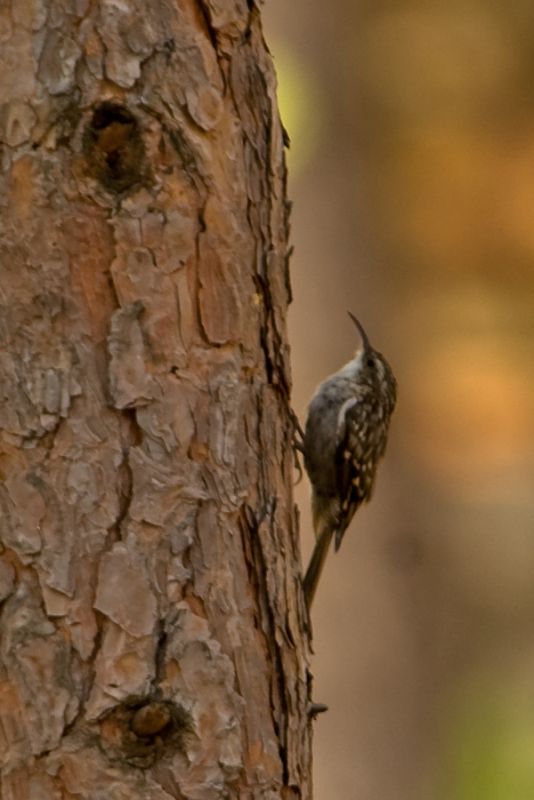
{"x":365,"y":341}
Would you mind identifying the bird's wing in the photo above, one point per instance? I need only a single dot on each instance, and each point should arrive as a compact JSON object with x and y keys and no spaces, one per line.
{"x":351,"y":467}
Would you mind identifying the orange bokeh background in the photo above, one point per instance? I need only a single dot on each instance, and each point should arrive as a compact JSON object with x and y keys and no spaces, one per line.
{"x":412,"y":175}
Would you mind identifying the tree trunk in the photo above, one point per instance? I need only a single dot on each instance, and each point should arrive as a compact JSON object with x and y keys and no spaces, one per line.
{"x":153,"y":633}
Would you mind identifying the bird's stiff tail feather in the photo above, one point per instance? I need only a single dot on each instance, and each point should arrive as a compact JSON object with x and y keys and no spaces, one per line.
{"x":315,"y":567}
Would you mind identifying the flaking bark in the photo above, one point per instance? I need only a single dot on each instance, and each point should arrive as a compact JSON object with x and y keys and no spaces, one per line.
{"x":153,"y":633}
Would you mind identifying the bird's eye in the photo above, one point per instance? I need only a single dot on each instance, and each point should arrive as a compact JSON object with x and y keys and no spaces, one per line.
{"x":370,"y":362}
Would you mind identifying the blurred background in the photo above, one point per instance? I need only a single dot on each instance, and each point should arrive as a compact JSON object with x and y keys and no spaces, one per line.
{"x":412,"y":175}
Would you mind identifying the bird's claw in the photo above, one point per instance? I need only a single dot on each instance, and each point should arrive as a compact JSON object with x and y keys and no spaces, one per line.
{"x":298,"y":444}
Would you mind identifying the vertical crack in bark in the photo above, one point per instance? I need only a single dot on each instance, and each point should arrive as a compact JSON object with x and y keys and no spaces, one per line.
{"x":161,"y":651}
{"x":131,"y":436}
{"x":256,"y":524}
{"x":258,"y":572}
{"x":210,"y":30}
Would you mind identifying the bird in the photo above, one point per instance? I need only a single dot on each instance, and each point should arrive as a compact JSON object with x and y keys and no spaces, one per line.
{"x":345,"y":438}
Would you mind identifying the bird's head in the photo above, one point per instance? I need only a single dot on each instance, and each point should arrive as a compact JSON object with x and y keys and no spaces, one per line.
{"x":372,"y":367}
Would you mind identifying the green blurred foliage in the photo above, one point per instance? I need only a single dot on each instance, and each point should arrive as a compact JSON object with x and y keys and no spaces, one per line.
{"x":301,"y":107}
{"x":491,"y":752}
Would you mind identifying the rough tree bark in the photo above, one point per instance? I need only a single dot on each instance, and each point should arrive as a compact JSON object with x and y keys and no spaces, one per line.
{"x":153,"y":638}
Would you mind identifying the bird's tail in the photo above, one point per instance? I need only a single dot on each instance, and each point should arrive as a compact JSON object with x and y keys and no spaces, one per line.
{"x":315,"y":567}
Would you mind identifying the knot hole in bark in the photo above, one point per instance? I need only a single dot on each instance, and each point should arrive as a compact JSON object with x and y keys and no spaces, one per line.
{"x":114,"y":148}
{"x":140,"y":731}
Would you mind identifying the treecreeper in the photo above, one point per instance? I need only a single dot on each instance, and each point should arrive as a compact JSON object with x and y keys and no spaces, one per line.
{"x":344,"y":440}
